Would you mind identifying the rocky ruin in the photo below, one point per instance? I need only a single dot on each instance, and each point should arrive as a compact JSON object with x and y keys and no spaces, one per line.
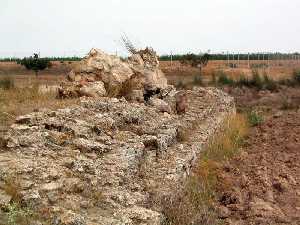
{"x":105,"y":161}
{"x":100,"y":74}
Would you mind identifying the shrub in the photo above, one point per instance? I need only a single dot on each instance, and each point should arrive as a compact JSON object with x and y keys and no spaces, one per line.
{"x":223,"y":79}
{"x":243,"y":81}
{"x":297,"y":76}
{"x":7,"y":83}
{"x":269,"y":83}
{"x":35,"y":63}
{"x":254,"y":118}
{"x":256,"y":80}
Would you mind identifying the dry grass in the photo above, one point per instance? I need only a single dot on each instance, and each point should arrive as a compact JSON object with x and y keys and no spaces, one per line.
{"x":19,"y":101}
{"x":12,"y":187}
{"x":194,"y":204}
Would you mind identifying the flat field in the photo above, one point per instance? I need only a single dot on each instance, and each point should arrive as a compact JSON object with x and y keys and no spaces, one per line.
{"x":276,"y":69}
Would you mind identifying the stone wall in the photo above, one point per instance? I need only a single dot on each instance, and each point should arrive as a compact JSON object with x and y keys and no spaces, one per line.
{"x":101,"y":162}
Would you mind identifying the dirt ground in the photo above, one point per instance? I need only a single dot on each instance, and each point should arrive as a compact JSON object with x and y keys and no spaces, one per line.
{"x":262,"y":185}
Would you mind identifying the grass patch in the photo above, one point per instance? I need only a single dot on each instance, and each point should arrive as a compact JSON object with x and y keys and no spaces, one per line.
{"x":255,"y":81}
{"x":19,"y":101}
{"x":254,"y":118}
{"x":194,"y":204}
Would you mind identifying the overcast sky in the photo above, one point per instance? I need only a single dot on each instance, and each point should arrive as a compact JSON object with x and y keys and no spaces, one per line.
{"x":67,"y":27}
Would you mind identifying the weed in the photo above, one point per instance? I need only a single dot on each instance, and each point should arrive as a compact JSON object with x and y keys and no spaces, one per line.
{"x":296,"y":77}
{"x":18,"y":216}
{"x":269,"y":83}
{"x":243,"y":81}
{"x":223,"y":79}
{"x":256,"y":81}
{"x":254,"y":118}
{"x":226,"y":144}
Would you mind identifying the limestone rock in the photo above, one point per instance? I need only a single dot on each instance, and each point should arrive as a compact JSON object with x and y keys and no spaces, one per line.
{"x":71,"y":218}
{"x":118,"y":76}
{"x":106,"y":158}
{"x":155,"y":79}
{"x":93,"y":89}
{"x":160,"y":104}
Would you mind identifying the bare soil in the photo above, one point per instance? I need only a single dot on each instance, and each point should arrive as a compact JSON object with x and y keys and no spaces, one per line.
{"x":262,"y":184}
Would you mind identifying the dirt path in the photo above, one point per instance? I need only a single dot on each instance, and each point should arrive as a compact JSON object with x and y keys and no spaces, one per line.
{"x":262,"y":185}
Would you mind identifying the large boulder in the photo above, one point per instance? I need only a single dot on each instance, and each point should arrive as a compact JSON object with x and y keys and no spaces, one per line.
{"x":118,"y":76}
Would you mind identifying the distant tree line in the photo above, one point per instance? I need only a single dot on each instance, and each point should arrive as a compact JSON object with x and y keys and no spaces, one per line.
{"x":180,"y":57}
{"x":61,"y":59}
{"x":225,"y":56}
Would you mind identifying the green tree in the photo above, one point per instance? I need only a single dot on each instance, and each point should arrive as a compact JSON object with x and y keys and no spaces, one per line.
{"x":35,"y":63}
{"x":198,"y":61}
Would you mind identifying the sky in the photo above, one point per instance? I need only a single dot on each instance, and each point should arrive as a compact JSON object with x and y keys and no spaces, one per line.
{"x":69,"y":27}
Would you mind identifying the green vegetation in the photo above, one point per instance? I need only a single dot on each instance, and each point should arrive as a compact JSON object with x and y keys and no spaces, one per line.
{"x":224,"y":56}
{"x":197,"y":61}
{"x":35,"y":63}
{"x":223,"y":79}
{"x":254,"y":118}
{"x":18,"y":216}
{"x":269,"y":83}
{"x":256,"y":81}
{"x":60,"y":59}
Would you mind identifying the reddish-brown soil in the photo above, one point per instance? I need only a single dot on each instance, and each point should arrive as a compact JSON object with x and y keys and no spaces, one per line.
{"x":262,"y":185}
